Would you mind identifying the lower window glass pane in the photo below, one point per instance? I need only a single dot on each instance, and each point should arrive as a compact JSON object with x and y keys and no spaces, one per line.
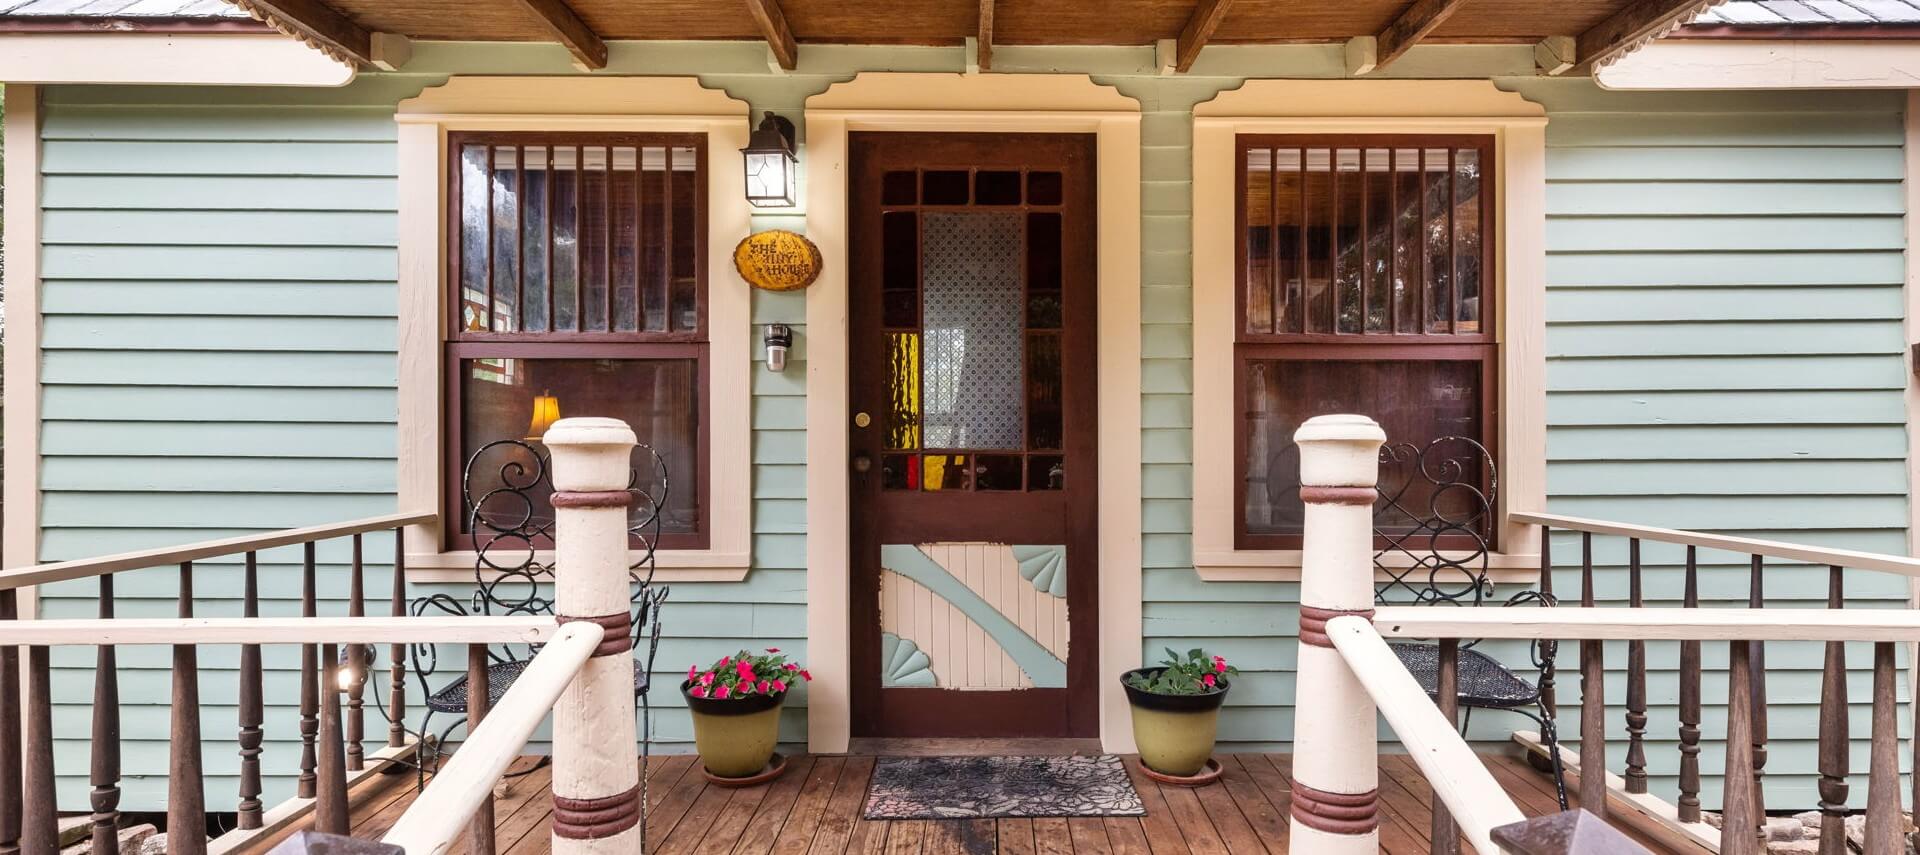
{"x":1414,"y":401}
{"x":515,"y":399}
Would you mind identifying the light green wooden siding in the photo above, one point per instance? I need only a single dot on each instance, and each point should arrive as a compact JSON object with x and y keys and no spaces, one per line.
{"x":1724,"y":344}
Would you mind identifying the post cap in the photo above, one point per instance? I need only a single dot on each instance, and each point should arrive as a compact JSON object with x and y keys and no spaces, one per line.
{"x":589,"y":430}
{"x":1340,"y":427}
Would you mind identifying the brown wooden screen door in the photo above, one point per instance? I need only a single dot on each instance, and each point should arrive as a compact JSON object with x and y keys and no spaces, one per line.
{"x":973,"y":400}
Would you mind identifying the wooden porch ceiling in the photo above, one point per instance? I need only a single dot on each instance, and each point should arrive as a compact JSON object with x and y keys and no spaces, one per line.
{"x":1376,"y":31}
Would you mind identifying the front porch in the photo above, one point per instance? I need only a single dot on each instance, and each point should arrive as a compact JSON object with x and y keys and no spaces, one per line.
{"x":816,"y":808}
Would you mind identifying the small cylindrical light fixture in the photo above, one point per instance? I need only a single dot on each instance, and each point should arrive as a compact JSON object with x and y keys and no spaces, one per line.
{"x":779,"y":341}
{"x":771,"y":166}
{"x":546,"y":411}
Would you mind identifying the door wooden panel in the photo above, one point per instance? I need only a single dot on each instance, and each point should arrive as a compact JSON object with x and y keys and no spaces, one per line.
{"x":972,"y":323}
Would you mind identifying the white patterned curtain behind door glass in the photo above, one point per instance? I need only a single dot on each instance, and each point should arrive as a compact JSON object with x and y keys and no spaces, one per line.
{"x":970,"y":366}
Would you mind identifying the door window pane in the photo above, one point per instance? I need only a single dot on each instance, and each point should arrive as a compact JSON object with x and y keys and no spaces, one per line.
{"x":972,"y":330}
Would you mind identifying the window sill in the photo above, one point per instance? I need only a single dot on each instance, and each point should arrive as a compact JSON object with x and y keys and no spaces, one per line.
{"x":671,"y":565}
{"x":1283,"y":565}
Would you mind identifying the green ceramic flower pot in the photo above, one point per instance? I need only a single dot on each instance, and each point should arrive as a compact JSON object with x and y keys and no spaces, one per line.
{"x":735,"y":736}
{"x":1175,"y":733}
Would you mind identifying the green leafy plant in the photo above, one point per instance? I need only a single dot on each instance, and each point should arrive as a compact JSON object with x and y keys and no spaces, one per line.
{"x":1193,"y":674}
{"x":744,"y":674}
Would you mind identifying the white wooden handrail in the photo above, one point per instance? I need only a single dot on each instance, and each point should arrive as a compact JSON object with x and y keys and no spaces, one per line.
{"x":518,"y":629}
{"x":1476,"y":800}
{"x":431,"y":824}
{"x":1568,"y":623}
{"x":1848,"y":558}
{"x":83,"y":568}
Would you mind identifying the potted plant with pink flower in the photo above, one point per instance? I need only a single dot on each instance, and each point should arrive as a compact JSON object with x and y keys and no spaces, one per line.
{"x":736,"y":712}
{"x":1176,"y":714}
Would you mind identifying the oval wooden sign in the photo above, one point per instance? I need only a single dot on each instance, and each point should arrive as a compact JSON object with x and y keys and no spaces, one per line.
{"x":777,"y":260}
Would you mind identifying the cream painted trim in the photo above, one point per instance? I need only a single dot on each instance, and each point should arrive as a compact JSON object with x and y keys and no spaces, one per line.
{"x":1910,"y":324}
{"x":936,"y":102}
{"x":652,"y":104}
{"x":1766,"y":64}
{"x":205,"y":59}
{"x":20,"y":538}
{"x":1367,"y":106}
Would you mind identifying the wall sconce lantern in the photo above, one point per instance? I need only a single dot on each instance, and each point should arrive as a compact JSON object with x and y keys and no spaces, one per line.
{"x":546,"y":411}
{"x":779,"y":340}
{"x":771,"y":167}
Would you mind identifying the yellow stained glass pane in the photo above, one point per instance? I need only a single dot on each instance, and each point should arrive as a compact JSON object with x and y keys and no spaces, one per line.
{"x":903,"y":390}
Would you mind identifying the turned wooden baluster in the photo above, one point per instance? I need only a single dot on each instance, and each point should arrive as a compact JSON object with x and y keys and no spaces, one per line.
{"x":1593,"y":703}
{"x":480,"y":829}
{"x":330,"y":807}
{"x":1739,"y":813}
{"x":186,"y":798}
{"x":1756,"y":599}
{"x":1884,"y":831}
{"x":1636,"y":771}
{"x":396,"y":654}
{"x":39,"y":833}
{"x":252,"y":704}
{"x":10,"y":790}
{"x":1446,"y":833}
{"x":356,"y":679}
{"x":1549,"y":696}
{"x":307,"y":785}
{"x":104,"y":774}
{"x":1834,"y":746}
{"x":1689,"y":803}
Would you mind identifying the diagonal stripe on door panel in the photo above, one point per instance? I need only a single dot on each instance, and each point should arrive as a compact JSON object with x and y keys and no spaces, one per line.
{"x":1038,"y":660}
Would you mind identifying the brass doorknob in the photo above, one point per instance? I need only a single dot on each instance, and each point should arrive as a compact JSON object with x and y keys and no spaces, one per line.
{"x":862,"y":463}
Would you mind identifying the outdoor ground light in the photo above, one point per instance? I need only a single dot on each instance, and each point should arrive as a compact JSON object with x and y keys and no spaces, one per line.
{"x":771,"y":166}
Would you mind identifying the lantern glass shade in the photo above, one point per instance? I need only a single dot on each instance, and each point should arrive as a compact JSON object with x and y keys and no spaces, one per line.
{"x":546,"y":411}
{"x":770,"y":164}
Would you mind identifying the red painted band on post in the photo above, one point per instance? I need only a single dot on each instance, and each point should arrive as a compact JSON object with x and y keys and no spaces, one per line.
{"x":1338,"y":495}
{"x":1336,"y":813}
{"x":1313,"y":623}
{"x":593,"y":499}
{"x":619,"y":635}
{"x":595,"y":819}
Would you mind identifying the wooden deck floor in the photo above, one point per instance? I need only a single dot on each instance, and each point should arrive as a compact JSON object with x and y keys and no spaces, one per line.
{"x":815,"y":809}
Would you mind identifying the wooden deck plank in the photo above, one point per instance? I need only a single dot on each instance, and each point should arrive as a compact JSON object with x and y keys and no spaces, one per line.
{"x":815,"y":809}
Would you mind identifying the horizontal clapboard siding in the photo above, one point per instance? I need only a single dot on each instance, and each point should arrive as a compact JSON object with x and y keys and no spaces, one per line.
{"x":219,"y":358}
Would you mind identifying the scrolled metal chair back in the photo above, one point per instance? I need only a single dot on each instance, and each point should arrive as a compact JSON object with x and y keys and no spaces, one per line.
{"x":1433,"y":522}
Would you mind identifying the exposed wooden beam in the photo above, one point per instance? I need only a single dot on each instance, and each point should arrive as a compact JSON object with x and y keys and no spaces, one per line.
{"x":317,"y":24}
{"x":1414,"y":23}
{"x":1206,"y":17}
{"x":565,"y":25}
{"x":773,"y":25}
{"x":1556,"y":55}
{"x":1636,"y":24}
{"x":986,"y":35}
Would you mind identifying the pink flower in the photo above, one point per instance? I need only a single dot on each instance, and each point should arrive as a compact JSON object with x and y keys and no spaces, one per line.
{"x":724,"y":662}
{"x":1208,"y":679}
{"x":1220,"y":666}
{"x":803,"y":673}
{"x":765,"y":687}
{"x":697,"y":692}
{"x":693,"y":671}
{"x":779,"y":685}
{"x":792,"y":667}
{"x":720,"y":693}
{"x":706,"y":679}
{"x":746,"y":688}
{"x":773,"y":650}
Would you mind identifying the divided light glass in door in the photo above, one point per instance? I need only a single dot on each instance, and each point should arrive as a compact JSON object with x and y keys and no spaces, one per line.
{"x":576,"y":289}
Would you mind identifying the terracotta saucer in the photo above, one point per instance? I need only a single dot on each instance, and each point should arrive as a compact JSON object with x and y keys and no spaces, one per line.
{"x":1208,"y":774}
{"x":775,"y":768}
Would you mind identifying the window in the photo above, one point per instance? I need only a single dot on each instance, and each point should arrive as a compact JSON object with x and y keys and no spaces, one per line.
{"x":577,"y":287}
{"x":1364,"y":284}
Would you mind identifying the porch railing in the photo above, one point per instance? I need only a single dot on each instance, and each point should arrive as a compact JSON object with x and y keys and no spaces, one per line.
{"x":1345,"y":659}
{"x":594,"y":719}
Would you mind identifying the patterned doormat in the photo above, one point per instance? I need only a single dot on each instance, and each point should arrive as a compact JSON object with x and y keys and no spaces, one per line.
{"x":988,"y":787}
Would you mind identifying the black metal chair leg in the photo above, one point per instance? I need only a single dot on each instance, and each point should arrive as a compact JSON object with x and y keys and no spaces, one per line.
{"x":1550,"y":734}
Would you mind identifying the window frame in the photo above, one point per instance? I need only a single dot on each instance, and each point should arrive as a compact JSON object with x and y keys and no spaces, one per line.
{"x":1199,"y":440}
{"x":1481,"y":347}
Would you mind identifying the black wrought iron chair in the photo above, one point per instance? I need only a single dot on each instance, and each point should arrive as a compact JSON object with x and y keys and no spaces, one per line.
{"x":512,"y":523}
{"x":1432,"y":526}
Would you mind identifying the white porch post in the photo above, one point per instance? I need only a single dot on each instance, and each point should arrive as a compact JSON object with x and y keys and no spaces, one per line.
{"x":1336,"y":747}
{"x":596,"y":775}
